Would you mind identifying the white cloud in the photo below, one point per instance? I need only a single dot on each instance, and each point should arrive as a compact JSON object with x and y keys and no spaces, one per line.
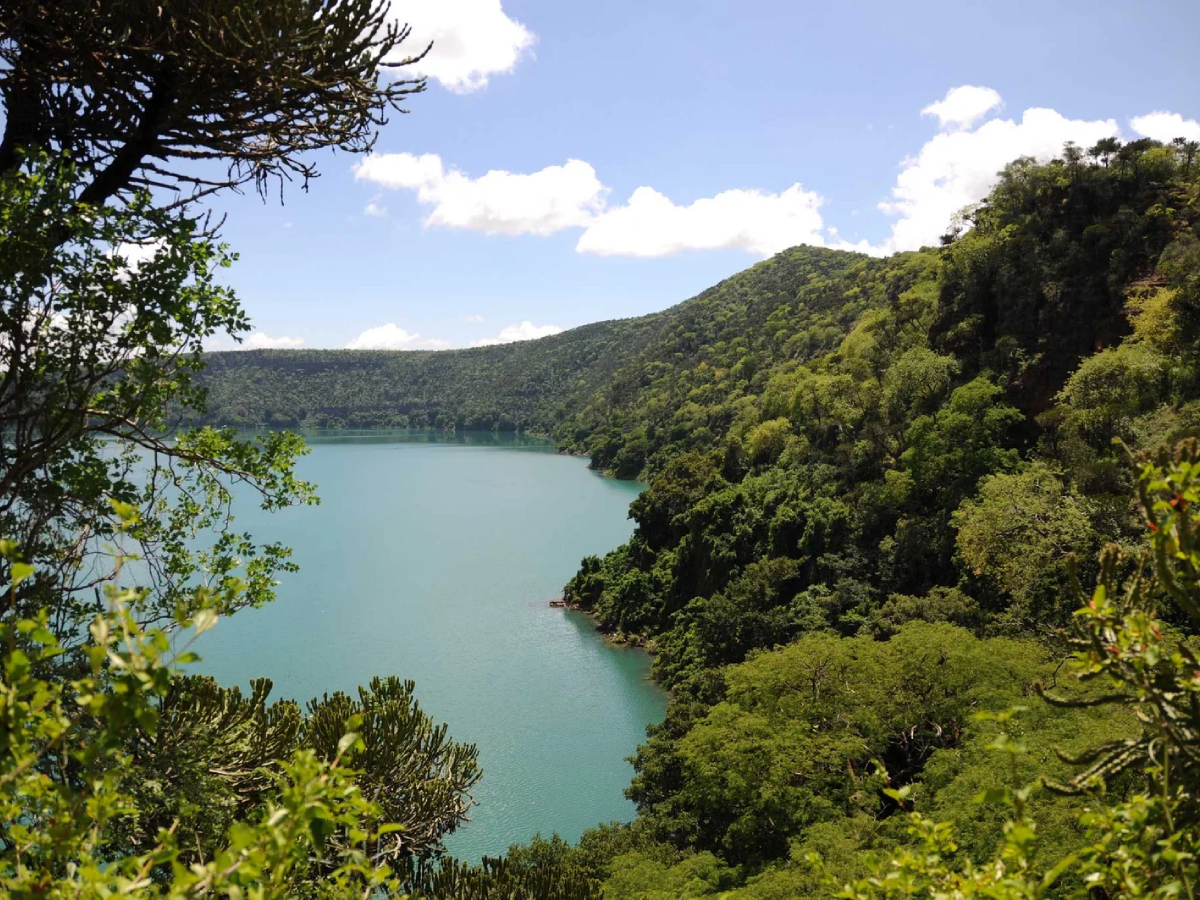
{"x":375,"y":210}
{"x":650,"y":224}
{"x":1166,"y":126}
{"x":393,"y":337}
{"x":958,"y":168}
{"x":499,"y":202}
{"x":526,"y":331}
{"x":133,"y":256}
{"x":473,"y":318}
{"x":472,"y":39}
{"x":571,"y":196}
{"x":963,"y":106}
{"x":259,"y":340}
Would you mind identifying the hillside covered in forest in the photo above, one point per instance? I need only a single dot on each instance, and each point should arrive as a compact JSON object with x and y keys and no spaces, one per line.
{"x":873,"y":483}
{"x":534,"y":386}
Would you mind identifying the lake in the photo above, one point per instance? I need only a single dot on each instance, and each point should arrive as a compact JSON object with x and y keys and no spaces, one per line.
{"x":434,"y":558}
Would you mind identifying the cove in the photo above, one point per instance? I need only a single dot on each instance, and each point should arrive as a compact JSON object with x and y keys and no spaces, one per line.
{"x":432,"y":558}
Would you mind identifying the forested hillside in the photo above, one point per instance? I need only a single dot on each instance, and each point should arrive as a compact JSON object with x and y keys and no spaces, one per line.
{"x":534,"y":386}
{"x":865,"y":519}
{"x":969,"y":407}
{"x":875,"y":488}
{"x":526,"y":386}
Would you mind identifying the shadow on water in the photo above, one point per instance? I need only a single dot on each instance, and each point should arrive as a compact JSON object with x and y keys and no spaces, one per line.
{"x":630,"y":660}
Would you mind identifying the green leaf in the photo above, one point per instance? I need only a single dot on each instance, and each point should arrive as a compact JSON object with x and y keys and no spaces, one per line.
{"x":992,"y":795}
{"x":347,"y":741}
{"x":204,"y":620}
{"x":126,"y":512}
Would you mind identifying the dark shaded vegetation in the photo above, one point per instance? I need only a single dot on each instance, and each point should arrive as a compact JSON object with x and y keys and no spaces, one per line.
{"x":138,"y":92}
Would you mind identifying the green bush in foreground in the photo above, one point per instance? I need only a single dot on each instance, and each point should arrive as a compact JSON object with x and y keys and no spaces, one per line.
{"x":1143,"y":844}
{"x":65,"y":781}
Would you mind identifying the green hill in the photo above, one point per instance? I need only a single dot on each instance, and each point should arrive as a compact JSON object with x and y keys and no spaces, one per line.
{"x":535,"y":386}
{"x":816,"y":430}
{"x":525,"y":386}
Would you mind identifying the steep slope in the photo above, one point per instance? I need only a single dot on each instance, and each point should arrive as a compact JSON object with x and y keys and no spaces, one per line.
{"x":700,"y":373}
{"x":853,"y":483}
{"x":921,"y":490}
{"x":534,"y":385}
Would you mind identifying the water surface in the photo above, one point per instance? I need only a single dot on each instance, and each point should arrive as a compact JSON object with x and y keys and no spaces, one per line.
{"x":434,"y":559}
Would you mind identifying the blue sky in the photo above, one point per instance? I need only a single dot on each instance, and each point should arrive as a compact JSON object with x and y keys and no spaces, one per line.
{"x":642,"y":151}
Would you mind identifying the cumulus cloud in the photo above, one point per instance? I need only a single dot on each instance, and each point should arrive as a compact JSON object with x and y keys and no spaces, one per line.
{"x":472,"y":39}
{"x":526,"y":331}
{"x":963,"y":106}
{"x":650,"y":224}
{"x":473,"y":318}
{"x":375,"y":210}
{"x":499,"y":202}
{"x":393,"y":337}
{"x":260,"y":340}
{"x":1166,"y":126}
{"x":958,"y":168}
{"x":571,"y":196}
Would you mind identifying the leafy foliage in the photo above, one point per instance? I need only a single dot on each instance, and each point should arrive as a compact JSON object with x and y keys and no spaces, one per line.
{"x":141,"y":94}
{"x":119,"y":774}
{"x":68,"y":785}
{"x":95,"y":353}
{"x":1143,"y":844}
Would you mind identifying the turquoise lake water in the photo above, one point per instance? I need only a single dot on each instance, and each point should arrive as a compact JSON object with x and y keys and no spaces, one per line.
{"x":434,"y":559}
